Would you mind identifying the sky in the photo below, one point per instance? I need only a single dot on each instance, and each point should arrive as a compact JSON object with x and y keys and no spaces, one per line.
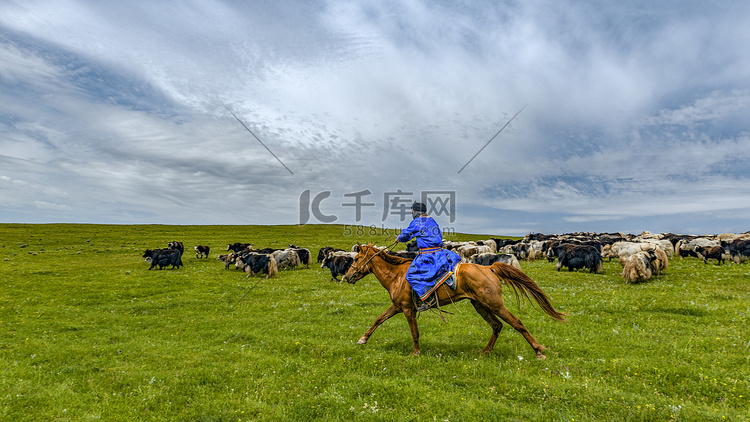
{"x":506,"y":117}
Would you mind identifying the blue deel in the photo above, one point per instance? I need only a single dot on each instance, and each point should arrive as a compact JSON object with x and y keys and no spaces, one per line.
{"x":427,"y":267}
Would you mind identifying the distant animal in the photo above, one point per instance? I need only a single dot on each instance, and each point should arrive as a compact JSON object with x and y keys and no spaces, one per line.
{"x":304,"y":255}
{"x":201,"y":251}
{"x":488,"y":259}
{"x":176,"y":245}
{"x":711,"y":252}
{"x":325,"y":250}
{"x":257,"y":263}
{"x":739,"y":250}
{"x":227,"y":259}
{"x":686,"y":248}
{"x":237,"y":246}
{"x":520,"y":250}
{"x":337,"y":252}
{"x":579,"y":256}
{"x":337,"y":264}
{"x":266,"y":250}
{"x":163,"y":258}
{"x":286,"y":258}
{"x":637,"y":268}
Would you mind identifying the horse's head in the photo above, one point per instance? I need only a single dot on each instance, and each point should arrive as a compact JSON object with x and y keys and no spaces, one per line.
{"x":361,"y":265}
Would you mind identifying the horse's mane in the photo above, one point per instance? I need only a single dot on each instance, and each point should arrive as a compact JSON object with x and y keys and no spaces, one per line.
{"x":392,"y":259}
{"x":395,"y":259}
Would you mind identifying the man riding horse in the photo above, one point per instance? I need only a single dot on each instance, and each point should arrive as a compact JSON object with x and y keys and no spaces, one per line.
{"x":434,"y":264}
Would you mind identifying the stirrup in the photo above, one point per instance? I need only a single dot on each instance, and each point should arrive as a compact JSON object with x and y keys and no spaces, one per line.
{"x":429,"y":303}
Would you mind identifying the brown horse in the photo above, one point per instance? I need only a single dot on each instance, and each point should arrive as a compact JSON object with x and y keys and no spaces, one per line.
{"x":480,"y":284}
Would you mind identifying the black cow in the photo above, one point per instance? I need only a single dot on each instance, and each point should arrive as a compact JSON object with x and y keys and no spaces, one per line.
{"x":739,"y":250}
{"x":267,"y":250}
{"x":324,"y":251}
{"x":338,"y":265}
{"x":227,"y":259}
{"x":304,"y":255}
{"x":487,"y":259}
{"x":164,"y":257}
{"x":254,"y":263}
{"x":578,"y":256}
{"x":712,"y":252}
{"x":237,"y":246}
{"x":201,"y":251}
{"x":684,"y":253}
{"x":176,"y":245}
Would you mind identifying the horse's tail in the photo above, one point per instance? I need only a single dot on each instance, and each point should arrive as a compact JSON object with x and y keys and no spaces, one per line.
{"x":519,"y":281}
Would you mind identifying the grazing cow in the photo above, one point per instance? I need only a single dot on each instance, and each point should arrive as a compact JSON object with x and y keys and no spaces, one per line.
{"x":227,"y":259}
{"x":711,"y":252}
{"x":337,"y":253}
{"x":237,"y":246}
{"x":257,"y":263}
{"x":739,"y":250}
{"x":468,"y":250}
{"x":338,"y":264}
{"x":201,"y":251}
{"x":687,"y":247}
{"x":622,"y":250}
{"x":163,"y":258}
{"x":521,"y":251}
{"x":489,"y":243}
{"x":661,"y":263}
{"x":304,"y":255}
{"x":286,"y":258}
{"x":267,"y":250}
{"x":176,"y":245}
{"x":637,"y":268}
{"x":579,"y":256}
{"x":324,"y":251}
{"x":665,"y":244}
{"x":488,"y":259}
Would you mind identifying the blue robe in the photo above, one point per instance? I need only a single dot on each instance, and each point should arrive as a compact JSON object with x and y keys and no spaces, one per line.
{"x":432,"y":261}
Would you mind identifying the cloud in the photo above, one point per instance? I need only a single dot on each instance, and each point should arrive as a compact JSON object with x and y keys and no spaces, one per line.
{"x":633,"y":110}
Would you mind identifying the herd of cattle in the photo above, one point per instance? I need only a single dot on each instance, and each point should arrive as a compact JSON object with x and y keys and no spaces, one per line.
{"x":641,"y":256}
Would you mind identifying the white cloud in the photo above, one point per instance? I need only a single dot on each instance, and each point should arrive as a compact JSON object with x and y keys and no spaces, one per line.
{"x":632,"y":110}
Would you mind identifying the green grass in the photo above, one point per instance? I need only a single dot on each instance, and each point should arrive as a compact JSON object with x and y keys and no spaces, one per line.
{"x":88,"y":333}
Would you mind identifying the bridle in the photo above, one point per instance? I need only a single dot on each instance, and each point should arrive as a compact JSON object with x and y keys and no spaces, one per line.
{"x":359,"y":268}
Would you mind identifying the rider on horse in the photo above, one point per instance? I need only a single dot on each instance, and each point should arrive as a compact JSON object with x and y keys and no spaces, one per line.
{"x":433,"y":263}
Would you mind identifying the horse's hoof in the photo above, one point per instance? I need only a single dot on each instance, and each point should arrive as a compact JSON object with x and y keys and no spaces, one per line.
{"x":540,"y":356}
{"x":361,"y":341}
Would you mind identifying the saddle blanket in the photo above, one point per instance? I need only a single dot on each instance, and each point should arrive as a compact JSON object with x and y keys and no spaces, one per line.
{"x":448,"y":278}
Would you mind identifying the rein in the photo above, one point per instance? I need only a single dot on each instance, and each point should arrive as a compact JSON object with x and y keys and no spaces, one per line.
{"x":357,"y":268}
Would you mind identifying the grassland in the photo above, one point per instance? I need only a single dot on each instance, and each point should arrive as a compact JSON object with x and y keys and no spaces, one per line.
{"x":88,"y":333}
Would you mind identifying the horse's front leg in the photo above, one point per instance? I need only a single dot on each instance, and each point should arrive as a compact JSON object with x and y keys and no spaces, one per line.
{"x":393,"y":310}
{"x":411,"y":317}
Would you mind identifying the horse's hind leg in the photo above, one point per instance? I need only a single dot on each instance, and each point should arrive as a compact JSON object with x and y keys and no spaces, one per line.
{"x":393,"y":310}
{"x":516,"y":323}
{"x":491,"y":319}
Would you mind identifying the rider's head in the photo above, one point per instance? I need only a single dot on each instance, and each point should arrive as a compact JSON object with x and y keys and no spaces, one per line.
{"x":418,"y":209}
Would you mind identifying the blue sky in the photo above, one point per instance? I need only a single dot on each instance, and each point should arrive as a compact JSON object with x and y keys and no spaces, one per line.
{"x":635,"y":118}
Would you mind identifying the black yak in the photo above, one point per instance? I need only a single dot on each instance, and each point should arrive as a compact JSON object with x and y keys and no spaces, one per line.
{"x":164,"y":257}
